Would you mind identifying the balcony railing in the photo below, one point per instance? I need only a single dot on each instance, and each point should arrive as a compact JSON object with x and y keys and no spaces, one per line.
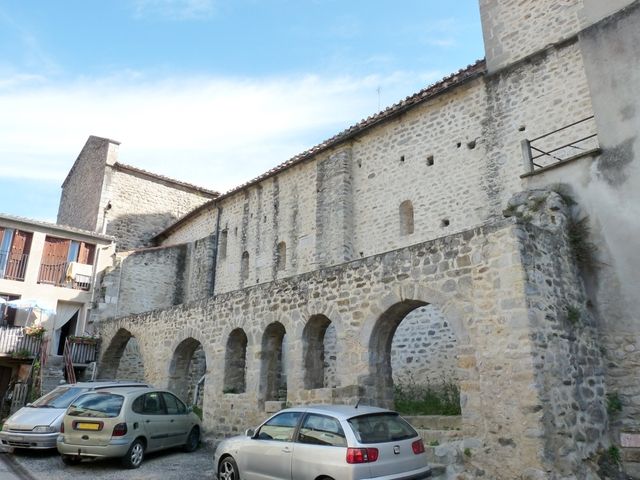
{"x":15,"y":266}
{"x":14,"y":342}
{"x":566,"y":143}
{"x":82,"y":351}
{"x":57,"y":274}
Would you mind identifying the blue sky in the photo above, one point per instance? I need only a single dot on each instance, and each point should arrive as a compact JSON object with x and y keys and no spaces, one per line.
{"x":212,"y":92}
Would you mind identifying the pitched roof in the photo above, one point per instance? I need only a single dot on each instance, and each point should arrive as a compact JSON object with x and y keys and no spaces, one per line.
{"x":140,"y":171}
{"x":54,"y":226}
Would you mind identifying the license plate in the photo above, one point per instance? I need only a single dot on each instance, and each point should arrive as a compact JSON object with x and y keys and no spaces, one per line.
{"x":87,"y":426}
{"x":14,"y":438}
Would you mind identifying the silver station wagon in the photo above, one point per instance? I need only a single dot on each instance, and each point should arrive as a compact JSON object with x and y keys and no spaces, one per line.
{"x":328,"y":442}
{"x":37,"y":425}
{"x":126,"y":423}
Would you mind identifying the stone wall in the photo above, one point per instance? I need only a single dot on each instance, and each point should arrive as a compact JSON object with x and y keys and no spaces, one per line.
{"x":200,"y":225}
{"x":513,"y":29}
{"x":80,"y":199}
{"x":475,"y":278}
{"x":131,"y":366}
{"x":143,"y":205}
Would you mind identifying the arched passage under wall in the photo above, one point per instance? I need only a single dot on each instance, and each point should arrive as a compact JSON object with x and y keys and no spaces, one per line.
{"x":235,"y":362}
{"x":186,"y":371}
{"x":273,"y":379}
{"x":319,"y":346}
{"x":122,"y":359}
{"x":413,"y":357}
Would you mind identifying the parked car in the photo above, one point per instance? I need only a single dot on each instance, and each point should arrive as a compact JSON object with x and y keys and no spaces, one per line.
{"x":126,"y":423}
{"x":332,"y":442}
{"x":37,"y":425}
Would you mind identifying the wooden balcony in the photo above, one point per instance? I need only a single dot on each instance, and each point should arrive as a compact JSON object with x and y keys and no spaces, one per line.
{"x":12,"y":266}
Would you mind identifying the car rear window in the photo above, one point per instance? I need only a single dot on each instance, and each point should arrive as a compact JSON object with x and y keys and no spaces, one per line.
{"x":381,"y":428}
{"x":98,"y":405}
{"x":60,"y":397}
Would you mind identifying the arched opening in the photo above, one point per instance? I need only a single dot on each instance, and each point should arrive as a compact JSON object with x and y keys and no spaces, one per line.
{"x":281,"y":256}
{"x":319,"y":344}
{"x":406,"y":218}
{"x":122,"y":359}
{"x":235,"y":362}
{"x":413,"y":361}
{"x":244,"y":266}
{"x":187,"y":371}
{"x":273,"y":379}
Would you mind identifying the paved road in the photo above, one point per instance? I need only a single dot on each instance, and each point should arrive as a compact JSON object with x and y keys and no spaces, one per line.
{"x":47,"y":465}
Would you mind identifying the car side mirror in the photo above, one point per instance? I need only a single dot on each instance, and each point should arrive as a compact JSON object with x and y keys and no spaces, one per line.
{"x":250,"y":432}
{"x":29,"y":404}
{"x":190,"y":409}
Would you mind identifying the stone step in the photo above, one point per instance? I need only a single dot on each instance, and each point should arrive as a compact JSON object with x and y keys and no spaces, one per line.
{"x":446,"y":454}
{"x":430,"y":437}
{"x":435,"y":422}
{"x":438,"y":470}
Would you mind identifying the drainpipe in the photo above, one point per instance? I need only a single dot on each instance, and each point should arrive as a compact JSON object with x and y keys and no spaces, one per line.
{"x":215,"y":254}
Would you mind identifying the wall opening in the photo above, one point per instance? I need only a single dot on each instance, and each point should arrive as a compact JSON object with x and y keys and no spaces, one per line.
{"x":319,"y":347}
{"x":122,"y":359}
{"x":244,"y":266}
{"x":406,"y":218}
{"x":187,"y":370}
{"x":235,"y":362}
{"x":224,"y":234}
{"x":413,"y":361}
{"x":281,"y":256}
{"x":273,"y":379}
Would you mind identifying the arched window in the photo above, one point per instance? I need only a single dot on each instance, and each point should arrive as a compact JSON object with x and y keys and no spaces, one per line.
{"x":406,"y":218}
{"x":281,"y":256}
{"x":244,"y":266}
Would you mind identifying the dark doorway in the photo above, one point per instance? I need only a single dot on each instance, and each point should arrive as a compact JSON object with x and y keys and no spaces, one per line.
{"x":67,"y":329}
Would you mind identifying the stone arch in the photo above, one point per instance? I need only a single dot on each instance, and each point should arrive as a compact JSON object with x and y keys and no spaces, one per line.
{"x":188,"y":366}
{"x":378,"y":333}
{"x":235,"y":362}
{"x":319,"y":357}
{"x":273,"y":380}
{"x":406,"y":217}
{"x":123,"y":358}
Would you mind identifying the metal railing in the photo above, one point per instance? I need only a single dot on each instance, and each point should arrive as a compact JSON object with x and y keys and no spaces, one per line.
{"x":553,"y":147}
{"x":56,"y":274}
{"x":82,"y":351}
{"x":13,"y":341}
{"x":15,"y":266}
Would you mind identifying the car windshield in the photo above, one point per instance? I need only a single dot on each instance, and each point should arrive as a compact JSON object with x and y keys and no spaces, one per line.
{"x":381,"y":428}
{"x":99,"y":405}
{"x":61,"y":397}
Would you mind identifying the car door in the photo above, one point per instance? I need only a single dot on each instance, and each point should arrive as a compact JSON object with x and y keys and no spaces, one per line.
{"x":154,"y":419}
{"x":267,"y":456}
{"x":179,"y":421}
{"x":320,"y":449}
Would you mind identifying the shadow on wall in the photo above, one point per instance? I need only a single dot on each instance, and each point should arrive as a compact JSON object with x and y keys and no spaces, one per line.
{"x":136,"y":230}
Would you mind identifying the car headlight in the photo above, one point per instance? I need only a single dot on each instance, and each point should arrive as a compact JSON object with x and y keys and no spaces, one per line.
{"x":44,"y":429}
{"x":5,"y":427}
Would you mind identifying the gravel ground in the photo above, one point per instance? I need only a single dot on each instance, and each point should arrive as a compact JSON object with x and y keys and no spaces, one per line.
{"x":165,"y":465}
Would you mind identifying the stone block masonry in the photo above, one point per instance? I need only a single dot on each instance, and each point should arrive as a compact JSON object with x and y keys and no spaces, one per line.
{"x":479,"y":282}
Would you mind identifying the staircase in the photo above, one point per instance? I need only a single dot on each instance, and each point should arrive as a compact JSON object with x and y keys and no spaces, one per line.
{"x":52,"y":374}
{"x":442,"y":436}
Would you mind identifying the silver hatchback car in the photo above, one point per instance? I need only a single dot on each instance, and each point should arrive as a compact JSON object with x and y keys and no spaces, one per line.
{"x":37,"y":425}
{"x":332,"y":442}
{"x":126,"y":423}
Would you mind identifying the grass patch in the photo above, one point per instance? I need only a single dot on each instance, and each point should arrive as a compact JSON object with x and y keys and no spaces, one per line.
{"x":614,"y":404}
{"x":583,"y":250}
{"x":415,"y":399}
{"x":573,"y":315}
{"x":197,"y":410}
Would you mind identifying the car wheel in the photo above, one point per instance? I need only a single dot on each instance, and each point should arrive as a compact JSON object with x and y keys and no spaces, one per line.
{"x":228,"y":469}
{"x":193,"y":440}
{"x":135,"y":455}
{"x":71,"y":459}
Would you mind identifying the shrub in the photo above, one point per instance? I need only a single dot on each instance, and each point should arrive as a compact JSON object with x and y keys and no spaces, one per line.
{"x":416,"y":399}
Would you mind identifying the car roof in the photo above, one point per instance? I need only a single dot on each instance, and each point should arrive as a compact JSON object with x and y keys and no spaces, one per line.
{"x":105,"y":384}
{"x":127,"y":390}
{"x":342,"y":412}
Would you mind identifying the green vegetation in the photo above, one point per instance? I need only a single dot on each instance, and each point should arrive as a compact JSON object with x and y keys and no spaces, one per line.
{"x":467,"y":452}
{"x":197,"y":410}
{"x":614,"y":404}
{"x":416,"y":399}
{"x":434,"y":443}
{"x":573,"y":314}
{"x":613,"y":454}
{"x":583,"y":250}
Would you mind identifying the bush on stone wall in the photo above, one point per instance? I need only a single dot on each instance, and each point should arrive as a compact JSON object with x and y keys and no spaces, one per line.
{"x":412,"y":398}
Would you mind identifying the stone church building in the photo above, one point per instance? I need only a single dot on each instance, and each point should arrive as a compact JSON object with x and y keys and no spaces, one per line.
{"x":481,"y":233}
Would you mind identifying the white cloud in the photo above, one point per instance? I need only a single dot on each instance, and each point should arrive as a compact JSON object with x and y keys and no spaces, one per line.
{"x":174,"y":9}
{"x":214,"y":132}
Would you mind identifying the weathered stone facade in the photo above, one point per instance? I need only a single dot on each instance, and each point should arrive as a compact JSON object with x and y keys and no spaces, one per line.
{"x":322,"y":280}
